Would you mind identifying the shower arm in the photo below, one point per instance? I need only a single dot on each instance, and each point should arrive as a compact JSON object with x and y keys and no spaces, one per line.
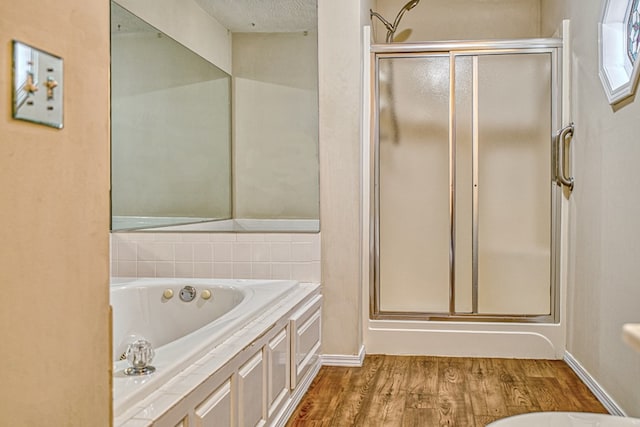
{"x":391,"y":28}
{"x":386,"y":23}
{"x":396,"y":22}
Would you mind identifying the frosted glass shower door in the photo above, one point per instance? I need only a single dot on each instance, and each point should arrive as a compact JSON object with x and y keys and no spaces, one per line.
{"x":413,"y":183}
{"x":514,"y":184}
{"x":466,"y":213}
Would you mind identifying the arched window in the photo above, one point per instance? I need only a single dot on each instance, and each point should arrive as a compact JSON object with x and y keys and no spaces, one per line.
{"x":619,"y":43}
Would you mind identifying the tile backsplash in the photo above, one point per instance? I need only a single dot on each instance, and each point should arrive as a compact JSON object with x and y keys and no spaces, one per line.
{"x":217,"y":255}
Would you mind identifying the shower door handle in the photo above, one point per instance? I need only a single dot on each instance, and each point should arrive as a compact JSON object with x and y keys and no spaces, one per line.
{"x":562,"y":137}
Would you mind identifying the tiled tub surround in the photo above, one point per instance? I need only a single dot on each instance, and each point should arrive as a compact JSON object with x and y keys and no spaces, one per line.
{"x":254,"y":376}
{"x":294,"y":256}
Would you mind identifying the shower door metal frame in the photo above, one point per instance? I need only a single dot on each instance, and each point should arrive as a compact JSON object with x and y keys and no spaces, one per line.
{"x":453,"y":50}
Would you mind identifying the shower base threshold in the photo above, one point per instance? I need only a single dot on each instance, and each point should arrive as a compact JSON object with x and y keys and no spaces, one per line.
{"x":465,"y":339}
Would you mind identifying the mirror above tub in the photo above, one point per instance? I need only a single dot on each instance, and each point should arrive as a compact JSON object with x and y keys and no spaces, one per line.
{"x":225,"y":147}
{"x":170,"y":130}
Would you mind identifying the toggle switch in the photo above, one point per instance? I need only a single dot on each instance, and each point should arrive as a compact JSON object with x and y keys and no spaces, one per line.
{"x":50,"y":84}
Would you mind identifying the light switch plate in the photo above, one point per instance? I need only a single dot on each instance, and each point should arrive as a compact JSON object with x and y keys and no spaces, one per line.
{"x":38,"y":86}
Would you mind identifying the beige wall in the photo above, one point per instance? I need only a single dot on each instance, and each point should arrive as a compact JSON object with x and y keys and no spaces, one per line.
{"x":460,"y":19}
{"x":339,"y":65}
{"x":604,"y":273}
{"x":54,"y":312}
{"x":551,"y":14}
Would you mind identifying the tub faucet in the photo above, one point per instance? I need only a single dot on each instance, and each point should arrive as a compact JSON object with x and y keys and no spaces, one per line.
{"x":139,"y":354}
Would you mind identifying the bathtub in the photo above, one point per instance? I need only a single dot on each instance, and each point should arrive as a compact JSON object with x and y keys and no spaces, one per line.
{"x":180,"y":332}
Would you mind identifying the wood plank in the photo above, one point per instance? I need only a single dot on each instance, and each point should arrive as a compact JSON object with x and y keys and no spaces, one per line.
{"x":387,"y":404}
{"x":510,"y":370}
{"x":579,"y":395}
{"x":485,"y":389}
{"x":309,"y":423}
{"x":549,"y":394}
{"x":355,"y":399}
{"x":413,"y":417}
{"x":531,"y":368}
{"x":421,"y":383}
{"x":548,"y":368}
{"x":454,"y":401}
{"x":483,"y":420}
{"x":517,"y":394}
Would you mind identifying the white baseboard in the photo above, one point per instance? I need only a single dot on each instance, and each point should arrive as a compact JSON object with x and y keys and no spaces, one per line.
{"x":344,"y":359}
{"x":604,"y":398}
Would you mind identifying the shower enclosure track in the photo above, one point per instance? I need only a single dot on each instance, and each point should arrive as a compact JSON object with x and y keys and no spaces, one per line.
{"x":477,"y":46}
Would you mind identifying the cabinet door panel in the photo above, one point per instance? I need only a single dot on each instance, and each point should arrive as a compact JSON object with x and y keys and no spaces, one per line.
{"x":216,"y":409}
{"x":279,"y":360}
{"x":251,"y":392}
{"x":306,"y":326}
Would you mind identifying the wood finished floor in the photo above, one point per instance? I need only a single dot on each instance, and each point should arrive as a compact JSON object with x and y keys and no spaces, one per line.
{"x":440,"y":391}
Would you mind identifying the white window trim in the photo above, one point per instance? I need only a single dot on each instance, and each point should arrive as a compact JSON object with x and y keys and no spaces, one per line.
{"x":618,"y":76}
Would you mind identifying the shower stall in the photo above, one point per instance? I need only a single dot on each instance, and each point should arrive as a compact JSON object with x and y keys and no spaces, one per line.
{"x":465,"y":206}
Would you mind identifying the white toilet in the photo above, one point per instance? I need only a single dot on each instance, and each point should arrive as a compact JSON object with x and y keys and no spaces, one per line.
{"x":565,"y":419}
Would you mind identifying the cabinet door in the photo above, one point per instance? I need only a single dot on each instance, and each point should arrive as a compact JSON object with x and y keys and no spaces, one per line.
{"x":251,"y":392}
{"x":278,"y":371}
{"x":305,"y":339}
{"x":216,"y":409}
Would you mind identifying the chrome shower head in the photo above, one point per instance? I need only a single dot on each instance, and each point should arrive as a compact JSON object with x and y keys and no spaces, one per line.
{"x":410,"y":5}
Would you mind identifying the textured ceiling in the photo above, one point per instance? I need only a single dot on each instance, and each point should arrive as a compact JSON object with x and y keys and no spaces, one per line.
{"x":265,"y":16}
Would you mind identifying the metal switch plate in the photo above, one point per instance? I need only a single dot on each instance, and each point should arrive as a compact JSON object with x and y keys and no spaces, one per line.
{"x":38,"y":86}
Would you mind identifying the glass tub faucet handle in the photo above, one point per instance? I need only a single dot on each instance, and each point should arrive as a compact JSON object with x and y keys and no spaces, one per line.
{"x":139,"y":355}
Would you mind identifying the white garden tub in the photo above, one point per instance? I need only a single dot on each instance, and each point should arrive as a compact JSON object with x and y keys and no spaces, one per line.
{"x":180,"y":332}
